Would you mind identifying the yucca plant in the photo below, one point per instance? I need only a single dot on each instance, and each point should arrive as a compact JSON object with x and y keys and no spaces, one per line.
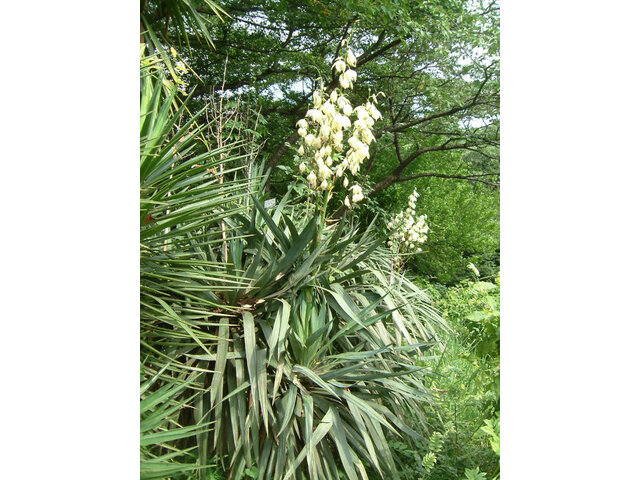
{"x":180,"y":199}
{"x":323,"y":342}
{"x":274,"y":344}
{"x":185,"y":17}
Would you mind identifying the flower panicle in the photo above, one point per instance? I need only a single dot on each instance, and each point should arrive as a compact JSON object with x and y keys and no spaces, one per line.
{"x":407,"y":231}
{"x":323,"y":151}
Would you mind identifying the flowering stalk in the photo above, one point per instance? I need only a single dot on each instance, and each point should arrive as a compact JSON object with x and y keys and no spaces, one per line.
{"x":407,"y":232}
{"x":328,"y":163}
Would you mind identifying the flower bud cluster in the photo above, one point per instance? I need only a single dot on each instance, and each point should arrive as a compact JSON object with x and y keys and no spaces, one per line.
{"x":407,"y":232}
{"x":322,"y":132}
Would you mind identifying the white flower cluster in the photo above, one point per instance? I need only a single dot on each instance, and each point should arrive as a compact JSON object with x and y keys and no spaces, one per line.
{"x":407,"y":232}
{"x":323,"y":129}
{"x":474,"y":269}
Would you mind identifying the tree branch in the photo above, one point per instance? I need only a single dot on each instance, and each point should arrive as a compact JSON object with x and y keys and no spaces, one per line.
{"x":473,"y":178}
{"x":473,"y":102}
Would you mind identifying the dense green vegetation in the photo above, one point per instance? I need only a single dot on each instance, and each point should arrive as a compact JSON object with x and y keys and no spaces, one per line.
{"x":297,"y":320}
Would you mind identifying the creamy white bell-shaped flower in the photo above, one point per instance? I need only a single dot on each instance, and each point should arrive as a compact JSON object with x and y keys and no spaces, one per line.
{"x":337,"y":138}
{"x":361,"y":112}
{"x":360,"y":124}
{"x":325,"y":131}
{"x":354,"y":142}
{"x":351,"y":58}
{"x":367,"y":136}
{"x":324,"y":172}
{"x":311,"y":178}
{"x":375,"y":113}
{"x":350,"y":75}
{"x":317,"y":99}
{"x":315,"y":114}
{"x":343,"y":121}
{"x":328,"y":109}
{"x":339,"y":65}
{"x":357,"y":156}
{"x":356,"y":194}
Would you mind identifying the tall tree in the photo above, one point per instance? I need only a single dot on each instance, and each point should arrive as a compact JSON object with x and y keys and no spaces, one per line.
{"x":437,"y":63}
